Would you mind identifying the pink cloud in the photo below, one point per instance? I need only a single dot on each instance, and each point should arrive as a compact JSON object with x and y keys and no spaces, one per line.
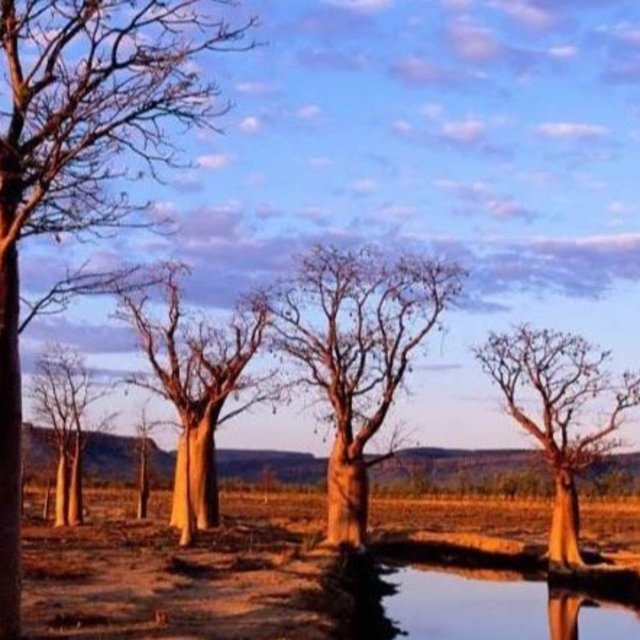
{"x":474,"y":43}
{"x":527,"y":13}
{"x":361,"y":6}
{"x":571,"y":130}
{"x":414,"y":70}
{"x":463,"y":131}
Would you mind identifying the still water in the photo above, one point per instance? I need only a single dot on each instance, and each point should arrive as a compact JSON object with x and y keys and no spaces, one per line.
{"x":443,"y":606}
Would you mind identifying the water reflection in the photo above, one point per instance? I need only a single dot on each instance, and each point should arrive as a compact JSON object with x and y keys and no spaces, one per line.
{"x":564,"y":608}
{"x":468,"y":605}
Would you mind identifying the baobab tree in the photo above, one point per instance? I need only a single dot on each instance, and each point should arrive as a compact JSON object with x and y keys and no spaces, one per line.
{"x":198,"y":367}
{"x":63,"y":391}
{"x":353,"y":322}
{"x":89,"y":82}
{"x":559,"y":391}
{"x":144,"y":429}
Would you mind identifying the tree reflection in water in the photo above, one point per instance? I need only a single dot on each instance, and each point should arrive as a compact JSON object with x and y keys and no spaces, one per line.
{"x":563,"y":608}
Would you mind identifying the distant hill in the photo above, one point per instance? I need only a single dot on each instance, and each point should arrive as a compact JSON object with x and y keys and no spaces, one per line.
{"x":113,"y":458}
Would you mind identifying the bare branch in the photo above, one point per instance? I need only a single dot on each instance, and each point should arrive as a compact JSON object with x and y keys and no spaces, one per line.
{"x":91,"y":80}
{"x":198,"y":367}
{"x":352,"y":322}
{"x":566,"y":375}
{"x":63,"y":391}
{"x":82,"y":282}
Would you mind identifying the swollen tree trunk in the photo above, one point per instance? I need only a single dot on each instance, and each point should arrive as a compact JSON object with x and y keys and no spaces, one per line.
{"x":563,"y":610}
{"x":75,"y":492}
{"x":10,"y":443}
{"x":348,"y":498}
{"x":203,"y":485}
{"x":62,"y":490}
{"x":143,"y":492}
{"x":564,"y":550}
{"x":186,"y":536}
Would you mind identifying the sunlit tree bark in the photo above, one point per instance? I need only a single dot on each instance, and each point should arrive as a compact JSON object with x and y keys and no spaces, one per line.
{"x":76,"y":503}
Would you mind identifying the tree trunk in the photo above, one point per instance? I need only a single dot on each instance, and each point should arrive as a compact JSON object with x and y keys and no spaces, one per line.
{"x":23,"y":484}
{"x":186,"y":537}
{"x":47,"y":501}
{"x":564,"y":550}
{"x":203,"y":486}
{"x":143,"y":493}
{"x":76,"y":506}
{"x":62,"y":490}
{"x":348,"y":498}
{"x":563,"y":610}
{"x":10,"y":443}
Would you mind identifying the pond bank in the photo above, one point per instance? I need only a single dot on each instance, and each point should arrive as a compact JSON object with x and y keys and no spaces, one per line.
{"x":615,"y":577}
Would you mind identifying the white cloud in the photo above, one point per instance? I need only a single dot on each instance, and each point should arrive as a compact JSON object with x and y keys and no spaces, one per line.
{"x":564,"y":52}
{"x":571,"y":130}
{"x":214,"y":161}
{"x":361,"y":6}
{"x":309,"y":112}
{"x":466,"y":131}
{"x":254,"y":88}
{"x":432,"y":110}
{"x":363,"y":186}
{"x":402,"y":127}
{"x":251,"y":125}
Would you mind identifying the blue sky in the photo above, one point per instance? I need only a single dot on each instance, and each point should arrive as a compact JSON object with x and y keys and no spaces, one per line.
{"x":502,"y":133}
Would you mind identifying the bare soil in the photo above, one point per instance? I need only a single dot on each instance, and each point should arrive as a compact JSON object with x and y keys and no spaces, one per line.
{"x":260,"y":575}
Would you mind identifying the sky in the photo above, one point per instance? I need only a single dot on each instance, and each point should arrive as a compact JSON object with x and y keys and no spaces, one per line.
{"x":504,"y":134}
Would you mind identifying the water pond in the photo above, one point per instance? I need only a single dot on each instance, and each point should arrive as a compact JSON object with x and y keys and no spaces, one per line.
{"x":434,"y":605}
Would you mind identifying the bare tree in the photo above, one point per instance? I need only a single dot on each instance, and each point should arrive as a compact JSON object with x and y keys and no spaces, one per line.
{"x":198,"y":368}
{"x":63,"y":391}
{"x":558,"y":390}
{"x":144,"y":429}
{"x":353,"y":322}
{"x":89,"y":81}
